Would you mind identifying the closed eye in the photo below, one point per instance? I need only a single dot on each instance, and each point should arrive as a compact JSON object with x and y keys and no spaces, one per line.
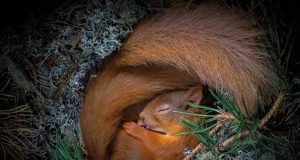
{"x":164,"y":108}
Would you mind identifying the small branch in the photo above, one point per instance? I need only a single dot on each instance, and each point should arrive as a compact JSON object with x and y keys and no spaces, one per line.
{"x":226,"y":116}
{"x":262,"y":122}
{"x":272,"y":111}
{"x":200,"y":145}
{"x":214,"y":130}
{"x":76,"y":41}
{"x":232,"y":138}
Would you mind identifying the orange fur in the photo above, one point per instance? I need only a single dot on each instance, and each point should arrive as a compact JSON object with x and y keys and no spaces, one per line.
{"x":117,"y":91}
{"x":177,"y":48}
{"x":142,"y":144}
{"x":126,"y":147}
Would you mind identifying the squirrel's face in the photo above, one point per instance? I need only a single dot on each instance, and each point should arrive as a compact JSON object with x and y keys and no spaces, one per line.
{"x":158,"y":119}
{"x":158,"y":114}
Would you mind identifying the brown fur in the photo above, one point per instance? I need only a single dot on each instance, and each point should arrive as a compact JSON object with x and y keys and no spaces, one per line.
{"x":142,"y":144}
{"x":177,"y":48}
{"x":126,"y":147}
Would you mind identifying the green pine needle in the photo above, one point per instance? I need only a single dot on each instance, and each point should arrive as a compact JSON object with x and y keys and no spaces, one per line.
{"x":204,"y":107}
{"x":228,"y":105}
{"x":66,"y":150}
{"x":295,"y":94}
{"x":193,"y":114}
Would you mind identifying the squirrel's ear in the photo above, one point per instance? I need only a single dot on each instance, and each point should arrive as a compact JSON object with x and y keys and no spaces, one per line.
{"x":163,"y":108}
{"x":194,"y":94}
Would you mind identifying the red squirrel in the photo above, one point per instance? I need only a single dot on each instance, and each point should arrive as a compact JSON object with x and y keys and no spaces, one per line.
{"x":207,"y":45}
{"x":154,"y":135}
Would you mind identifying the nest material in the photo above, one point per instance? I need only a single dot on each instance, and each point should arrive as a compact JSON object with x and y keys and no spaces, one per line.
{"x":45,"y":69}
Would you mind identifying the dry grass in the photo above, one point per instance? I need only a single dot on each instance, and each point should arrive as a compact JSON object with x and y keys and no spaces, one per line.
{"x":15,"y":132}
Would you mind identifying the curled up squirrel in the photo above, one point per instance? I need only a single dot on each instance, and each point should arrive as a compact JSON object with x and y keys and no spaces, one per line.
{"x":207,"y":45}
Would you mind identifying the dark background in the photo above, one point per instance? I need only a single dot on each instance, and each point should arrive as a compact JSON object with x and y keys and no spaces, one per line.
{"x":14,"y":13}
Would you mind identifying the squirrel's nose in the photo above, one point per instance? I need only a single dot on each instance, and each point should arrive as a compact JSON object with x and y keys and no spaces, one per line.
{"x":141,"y":122}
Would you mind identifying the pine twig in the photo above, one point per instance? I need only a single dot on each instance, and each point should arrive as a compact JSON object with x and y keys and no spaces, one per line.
{"x":273,"y":110}
{"x":200,"y":146}
{"x":262,"y":122}
{"x":234,"y":137}
{"x":226,"y":116}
